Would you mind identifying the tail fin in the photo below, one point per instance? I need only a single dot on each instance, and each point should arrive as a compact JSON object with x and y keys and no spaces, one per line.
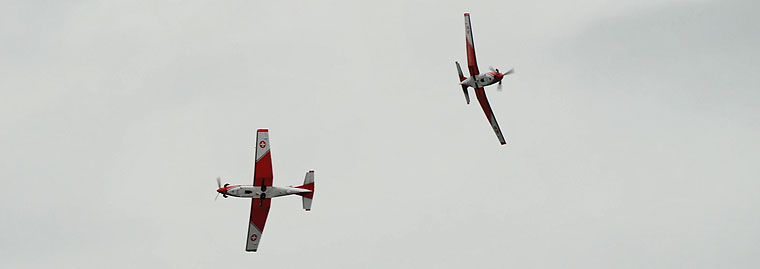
{"x":464,"y":87}
{"x":308,"y":183}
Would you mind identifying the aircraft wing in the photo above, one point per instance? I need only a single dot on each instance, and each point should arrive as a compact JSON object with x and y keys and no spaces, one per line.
{"x":472,"y":63}
{"x":481,"y":94}
{"x":259,"y":213}
{"x":262,"y":176}
{"x":262,"y":171}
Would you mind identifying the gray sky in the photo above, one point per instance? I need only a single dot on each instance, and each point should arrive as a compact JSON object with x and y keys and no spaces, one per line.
{"x":632,"y":125}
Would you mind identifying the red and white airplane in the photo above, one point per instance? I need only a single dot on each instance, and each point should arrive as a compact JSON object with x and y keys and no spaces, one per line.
{"x":477,"y":81}
{"x":262,"y":190}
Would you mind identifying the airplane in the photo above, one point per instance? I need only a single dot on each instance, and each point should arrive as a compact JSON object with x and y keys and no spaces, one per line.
{"x":477,"y":81}
{"x":262,"y":191}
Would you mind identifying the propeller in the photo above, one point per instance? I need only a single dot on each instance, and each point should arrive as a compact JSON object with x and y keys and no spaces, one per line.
{"x":506,"y":73}
{"x":219,"y":184}
{"x":497,"y":70}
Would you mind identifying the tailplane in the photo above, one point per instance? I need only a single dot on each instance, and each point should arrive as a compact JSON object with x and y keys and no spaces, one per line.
{"x":308,"y":183}
{"x":459,"y":70}
{"x":464,"y":87}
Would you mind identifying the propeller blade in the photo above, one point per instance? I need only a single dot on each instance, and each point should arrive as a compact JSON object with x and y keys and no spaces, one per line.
{"x":216,"y":197}
{"x":499,"y":87}
{"x":219,"y":182}
{"x":493,"y":70}
{"x":510,"y":71}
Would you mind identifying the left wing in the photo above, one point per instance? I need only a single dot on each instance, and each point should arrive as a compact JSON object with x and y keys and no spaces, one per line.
{"x":472,"y":63}
{"x":262,"y":173}
{"x":481,"y":94}
{"x":259,"y":213}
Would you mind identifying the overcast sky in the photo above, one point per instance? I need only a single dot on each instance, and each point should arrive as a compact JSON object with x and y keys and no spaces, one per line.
{"x":632,"y":125}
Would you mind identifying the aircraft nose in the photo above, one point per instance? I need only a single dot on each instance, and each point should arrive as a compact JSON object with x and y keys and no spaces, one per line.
{"x":222,"y":191}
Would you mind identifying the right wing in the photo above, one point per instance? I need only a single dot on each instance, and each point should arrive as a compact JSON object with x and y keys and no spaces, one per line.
{"x":481,"y":94}
{"x":472,"y":64}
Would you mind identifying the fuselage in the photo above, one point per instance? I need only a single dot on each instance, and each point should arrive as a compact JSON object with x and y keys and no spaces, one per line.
{"x":250,"y":191}
{"x":482,"y":80}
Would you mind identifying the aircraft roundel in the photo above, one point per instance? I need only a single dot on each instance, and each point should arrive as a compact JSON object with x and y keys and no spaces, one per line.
{"x":262,"y":144}
{"x":254,"y":237}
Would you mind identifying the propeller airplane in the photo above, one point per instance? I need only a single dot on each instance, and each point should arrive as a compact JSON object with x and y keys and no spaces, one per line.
{"x":262,"y":191}
{"x":478,"y":81}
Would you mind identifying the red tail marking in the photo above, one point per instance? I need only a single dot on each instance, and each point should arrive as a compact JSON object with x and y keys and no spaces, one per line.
{"x":309,"y":186}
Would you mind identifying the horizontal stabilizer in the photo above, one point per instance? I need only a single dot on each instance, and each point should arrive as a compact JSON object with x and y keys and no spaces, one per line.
{"x":308,"y":183}
{"x":466,"y":94}
{"x":463,"y":78}
{"x":459,"y":70}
